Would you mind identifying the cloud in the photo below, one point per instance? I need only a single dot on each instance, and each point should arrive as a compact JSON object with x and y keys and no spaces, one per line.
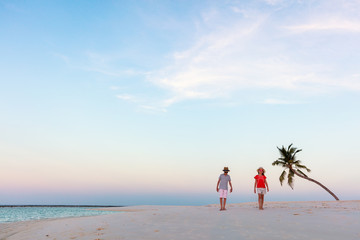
{"x":240,"y":48}
{"x":102,"y":63}
{"x":210,"y":67}
{"x":274,"y":101}
{"x":144,"y":105}
{"x":63,"y":57}
{"x":326,"y":25}
{"x":127,"y":97}
{"x":256,"y":52}
{"x":273,"y":2}
{"x":328,"y":16}
{"x":152,"y":109}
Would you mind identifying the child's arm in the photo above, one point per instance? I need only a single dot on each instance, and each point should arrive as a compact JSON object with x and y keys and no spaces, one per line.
{"x":255,"y":185}
{"x":217,"y":185}
{"x":266,"y":185}
{"x":230,"y":186}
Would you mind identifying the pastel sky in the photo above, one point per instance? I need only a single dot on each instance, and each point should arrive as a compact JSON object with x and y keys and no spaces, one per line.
{"x":145,"y":102}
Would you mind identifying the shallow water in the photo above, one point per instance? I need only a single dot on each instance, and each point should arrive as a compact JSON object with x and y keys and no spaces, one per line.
{"x":16,"y":214}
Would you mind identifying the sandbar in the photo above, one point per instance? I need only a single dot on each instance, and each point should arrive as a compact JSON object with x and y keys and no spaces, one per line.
{"x":315,"y":220}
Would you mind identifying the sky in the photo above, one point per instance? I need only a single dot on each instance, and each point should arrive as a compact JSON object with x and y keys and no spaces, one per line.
{"x":145,"y":102}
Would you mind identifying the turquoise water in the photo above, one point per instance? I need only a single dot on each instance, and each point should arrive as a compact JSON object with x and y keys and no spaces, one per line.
{"x":16,"y":214}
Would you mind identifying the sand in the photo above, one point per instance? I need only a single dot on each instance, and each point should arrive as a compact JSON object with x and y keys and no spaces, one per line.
{"x":338,"y":220}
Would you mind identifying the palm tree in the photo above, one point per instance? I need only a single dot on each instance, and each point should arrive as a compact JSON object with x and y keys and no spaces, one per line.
{"x":289,"y":162}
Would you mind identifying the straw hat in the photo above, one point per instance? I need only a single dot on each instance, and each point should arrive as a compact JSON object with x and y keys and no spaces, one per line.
{"x":262,"y":169}
{"x":226,"y":169}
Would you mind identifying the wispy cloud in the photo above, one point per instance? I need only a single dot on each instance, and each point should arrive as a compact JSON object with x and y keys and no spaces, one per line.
{"x":210,"y":68}
{"x":114,"y":88}
{"x":102,"y":63}
{"x":273,"y":2}
{"x":254,"y":53}
{"x":244,"y":47}
{"x":99,"y":63}
{"x":127,"y":97}
{"x":274,"y":101}
{"x":147,"y":104}
{"x":61,"y":56}
{"x":326,"y":25}
{"x":328,"y":16}
{"x":152,"y":108}
{"x":109,"y":71}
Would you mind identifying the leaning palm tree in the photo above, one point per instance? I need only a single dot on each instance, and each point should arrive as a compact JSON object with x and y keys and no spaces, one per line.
{"x":289,"y":162}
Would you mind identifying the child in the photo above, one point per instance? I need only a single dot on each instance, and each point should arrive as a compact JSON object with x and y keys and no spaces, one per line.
{"x":260,"y":183}
{"x":224,"y":179}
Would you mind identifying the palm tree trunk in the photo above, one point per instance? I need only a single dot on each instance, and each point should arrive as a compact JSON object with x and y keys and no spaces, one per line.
{"x":312,"y":180}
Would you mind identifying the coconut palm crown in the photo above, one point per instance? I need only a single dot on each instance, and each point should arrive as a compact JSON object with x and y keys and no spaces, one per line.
{"x":294,"y":167}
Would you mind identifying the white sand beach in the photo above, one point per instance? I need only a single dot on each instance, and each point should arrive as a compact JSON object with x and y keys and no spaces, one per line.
{"x":338,"y":220}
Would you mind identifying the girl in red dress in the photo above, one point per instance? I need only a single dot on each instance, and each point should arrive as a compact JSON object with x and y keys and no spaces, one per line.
{"x":259,"y":186}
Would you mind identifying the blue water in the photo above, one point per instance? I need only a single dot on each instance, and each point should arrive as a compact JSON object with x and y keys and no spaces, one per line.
{"x":16,"y":214}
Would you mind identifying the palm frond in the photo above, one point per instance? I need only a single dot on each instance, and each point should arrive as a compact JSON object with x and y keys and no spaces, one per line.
{"x":278,"y":162}
{"x":283,"y":151}
{"x":284,"y":154}
{"x":292,"y":150}
{"x":291,"y":179}
{"x":303,"y":167}
{"x":282,"y":177}
{"x":302,"y":172}
{"x":289,"y":147}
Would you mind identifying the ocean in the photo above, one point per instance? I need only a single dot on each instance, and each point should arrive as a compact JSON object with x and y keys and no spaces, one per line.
{"x":26,"y":213}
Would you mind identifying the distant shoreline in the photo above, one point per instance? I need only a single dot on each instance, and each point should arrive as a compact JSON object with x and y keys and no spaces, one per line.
{"x":32,"y":205}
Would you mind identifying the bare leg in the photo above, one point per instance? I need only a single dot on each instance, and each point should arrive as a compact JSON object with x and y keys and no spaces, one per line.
{"x":259,"y":200}
{"x":221,"y":204}
{"x":262,"y":202}
{"x":224,"y":204}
